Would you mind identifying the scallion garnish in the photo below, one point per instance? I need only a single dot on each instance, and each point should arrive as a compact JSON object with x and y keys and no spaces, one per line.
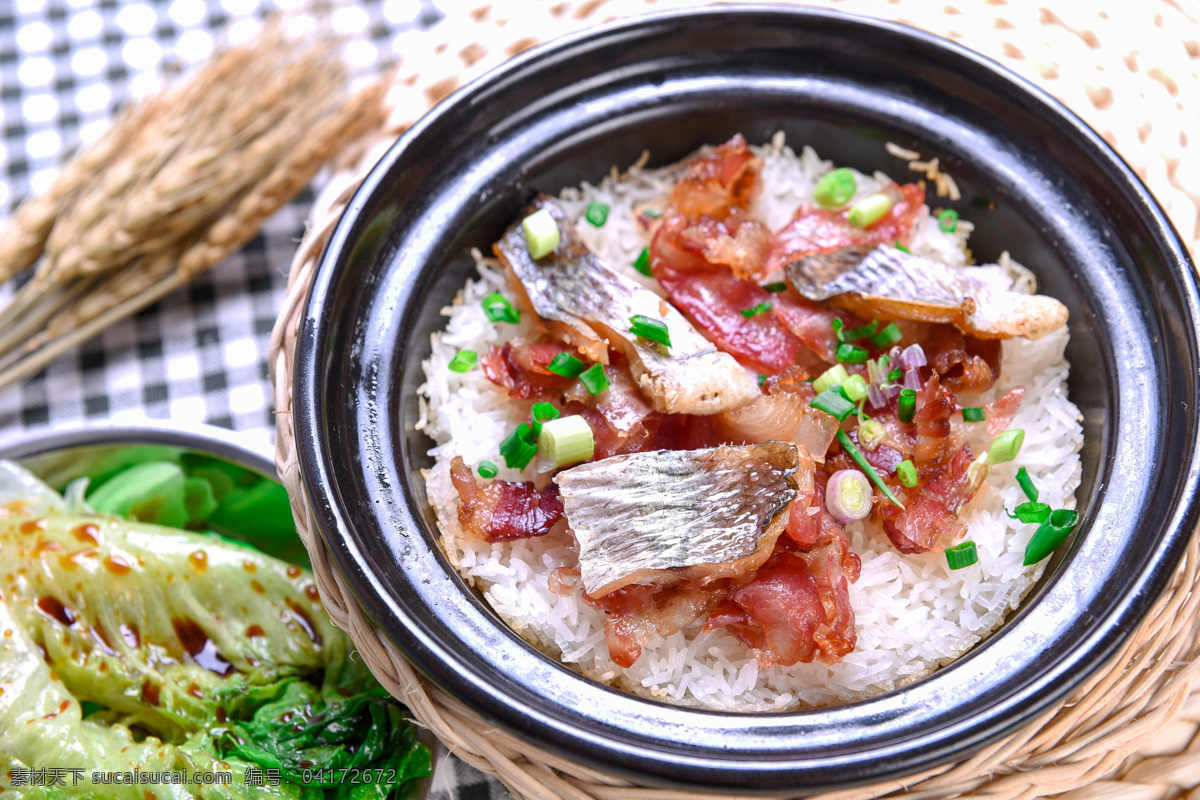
{"x":1050,"y":534}
{"x":597,"y":214}
{"x":870,"y":434}
{"x":855,"y":388}
{"x":541,"y":234}
{"x":834,"y":376}
{"x":894,"y":375}
{"x":835,"y":189}
{"x":519,"y":447}
{"x":906,"y":471}
{"x":1026,"y":483}
{"x":1030,"y":512}
{"x":542,"y":412}
{"x":498,"y":309}
{"x":853,"y":334}
{"x":642,"y":263}
{"x":887,"y":337}
{"x":868,"y":211}
{"x":464,"y":361}
{"x":901,"y":247}
{"x":594,"y":379}
{"x":832,"y":402}
{"x":567,"y":441}
{"x":974,"y":415}
{"x":652,"y":213}
{"x":961,"y":555}
{"x":761,"y":308}
{"x":906,"y":406}
{"x":762,"y":379}
{"x":865,"y":466}
{"x":775,"y":288}
{"x":852,"y":353}
{"x":650,"y":328}
{"x":948,"y":220}
{"x":1006,"y":446}
{"x":566,"y":365}
{"x":487,"y":469}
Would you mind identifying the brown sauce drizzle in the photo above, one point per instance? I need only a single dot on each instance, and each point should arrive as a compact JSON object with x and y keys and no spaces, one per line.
{"x":117,"y":565}
{"x":293,"y":571}
{"x":304,"y":620}
{"x":254,"y":631}
{"x":55,"y":610}
{"x":199,"y":560}
{"x":221,"y":714}
{"x":63,"y":706}
{"x":194,"y":690}
{"x":101,"y":638}
{"x":311,"y":593}
{"x":87,"y":532}
{"x":258,"y":587}
{"x":150,"y":693}
{"x":33,"y":526}
{"x":73,"y":560}
{"x":202,"y":649}
{"x":42,"y":546}
{"x":249,"y":566}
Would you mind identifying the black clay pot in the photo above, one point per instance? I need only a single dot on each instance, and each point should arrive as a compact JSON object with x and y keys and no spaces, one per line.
{"x":1036,"y":181}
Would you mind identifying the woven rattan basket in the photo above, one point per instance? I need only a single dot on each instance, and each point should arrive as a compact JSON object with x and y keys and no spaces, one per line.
{"x":1131,"y":69}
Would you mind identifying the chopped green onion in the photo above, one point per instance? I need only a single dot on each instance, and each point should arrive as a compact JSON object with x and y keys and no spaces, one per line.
{"x":865,"y":466}
{"x":498,"y":309}
{"x":542,"y":412}
{"x":567,"y":441}
{"x":906,"y":471}
{"x":1031,"y":512}
{"x":901,"y":247}
{"x":907,"y":405}
{"x":464,"y":361}
{"x":961,"y":555}
{"x":652,"y":213}
{"x":948,"y":220}
{"x":1006,"y":446}
{"x":888,"y":336}
{"x":1026,"y":482}
{"x":831,"y":402}
{"x":852,"y":353}
{"x":870,"y":210}
{"x":775,"y":288}
{"x":650,"y":328}
{"x":761,"y":308}
{"x":894,"y":376}
{"x":597,"y":214}
{"x":835,"y":189}
{"x":762,"y":379}
{"x":566,"y":365}
{"x":834,"y":376}
{"x":487,"y":469}
{"x":594,"y":379}
{"x":519,"y":447}
{"x":642,"y":263}
{"x":541,"y":234}
{"x":1053,"y":532}
{"x":854,"y":333}
{"x":870,"y":434}
{"x":848,"y":496}
{"x":974,"y":415}
{"x":855,"y":388}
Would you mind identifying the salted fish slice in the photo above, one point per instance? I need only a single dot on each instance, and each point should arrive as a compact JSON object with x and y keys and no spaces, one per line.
{"x":889,"y":283}
{"x":666,"y":516}
{"x":588,"y":304}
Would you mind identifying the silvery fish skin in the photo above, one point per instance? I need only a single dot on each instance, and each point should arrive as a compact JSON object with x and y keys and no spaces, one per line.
{"x":587,"y":304}
{"x":889,"y":283}
{"x":666,"y":516}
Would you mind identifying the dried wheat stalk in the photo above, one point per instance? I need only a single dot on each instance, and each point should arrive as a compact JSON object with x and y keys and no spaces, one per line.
{"x":181,"y":180}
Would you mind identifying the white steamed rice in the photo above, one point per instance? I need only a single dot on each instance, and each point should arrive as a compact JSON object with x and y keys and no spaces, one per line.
{"x":913,"y":614}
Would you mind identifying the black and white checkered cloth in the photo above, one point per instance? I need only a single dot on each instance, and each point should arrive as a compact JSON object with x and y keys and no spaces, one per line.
{"x":200,"y":355}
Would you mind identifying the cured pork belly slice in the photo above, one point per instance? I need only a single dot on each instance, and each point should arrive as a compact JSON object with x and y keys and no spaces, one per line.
{"x":667,"y":516}
{"x":888,"y":283}
{"x":587,"y":304}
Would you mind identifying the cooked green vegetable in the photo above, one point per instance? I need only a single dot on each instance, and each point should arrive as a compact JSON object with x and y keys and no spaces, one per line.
{"x":835,"y":189}
{"x":129,"y":646}
{"x":541,"y":234}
